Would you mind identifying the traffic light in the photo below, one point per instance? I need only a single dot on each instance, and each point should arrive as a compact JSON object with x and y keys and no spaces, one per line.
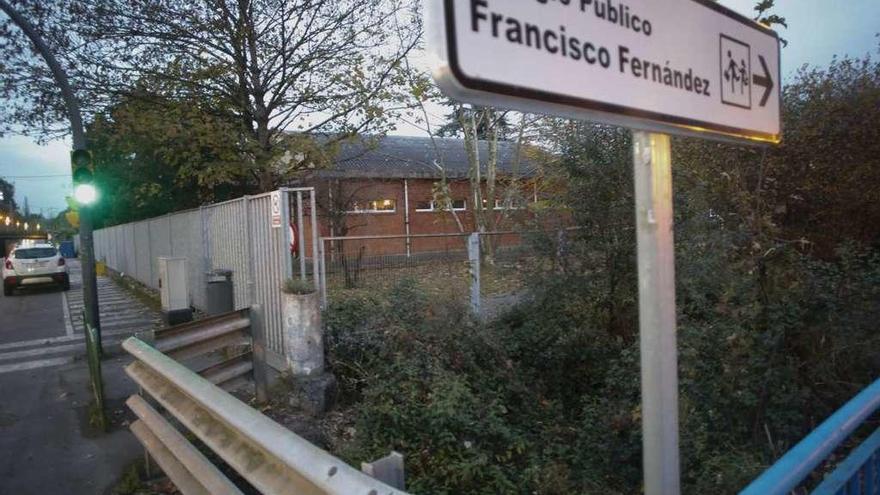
{"x":83,"y":176}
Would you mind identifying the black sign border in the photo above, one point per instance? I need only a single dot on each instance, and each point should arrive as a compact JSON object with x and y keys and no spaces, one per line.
{"x":599,"y":106}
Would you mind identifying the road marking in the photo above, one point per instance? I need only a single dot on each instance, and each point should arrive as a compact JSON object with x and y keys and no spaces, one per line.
{"x":68,"y":324}
{"x":37,"y":352}
{"x":128,"y":319}
{"x":31,"y":365}
{"x":72,"y":338}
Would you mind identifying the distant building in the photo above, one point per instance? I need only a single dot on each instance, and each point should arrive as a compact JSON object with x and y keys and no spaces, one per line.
{"x":388,"y":188}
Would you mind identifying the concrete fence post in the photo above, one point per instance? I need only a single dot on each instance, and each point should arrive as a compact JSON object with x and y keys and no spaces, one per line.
{"x":474,"y":271}
{"x":304,"y":349}
{"x":303,"y":336}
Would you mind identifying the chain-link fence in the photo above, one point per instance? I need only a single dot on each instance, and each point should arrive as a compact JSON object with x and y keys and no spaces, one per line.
{"x":488,"y":270}
{"x":373,"y":264}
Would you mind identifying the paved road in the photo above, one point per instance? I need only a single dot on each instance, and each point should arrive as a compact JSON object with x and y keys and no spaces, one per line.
{"x":41,"y":327}
{"x":33,"y":313}
{"x":46,"y":444}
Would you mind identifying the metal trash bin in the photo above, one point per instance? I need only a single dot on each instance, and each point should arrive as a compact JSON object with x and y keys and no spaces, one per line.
{"x":220,"y":293}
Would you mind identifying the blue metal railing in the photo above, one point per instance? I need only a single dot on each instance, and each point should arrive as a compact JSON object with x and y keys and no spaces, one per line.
{"x":857,"y":475}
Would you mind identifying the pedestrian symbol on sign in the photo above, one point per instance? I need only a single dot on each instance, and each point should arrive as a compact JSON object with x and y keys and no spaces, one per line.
{"x":736,"y":73}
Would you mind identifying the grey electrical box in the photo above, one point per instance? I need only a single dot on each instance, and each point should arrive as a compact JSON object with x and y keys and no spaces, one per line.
{"x":174,"y":290}
{"x":221,"y":298}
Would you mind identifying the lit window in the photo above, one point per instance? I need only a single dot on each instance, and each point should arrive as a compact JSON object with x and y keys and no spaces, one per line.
{"x":374,"y":206}
{"x":424,"y":206}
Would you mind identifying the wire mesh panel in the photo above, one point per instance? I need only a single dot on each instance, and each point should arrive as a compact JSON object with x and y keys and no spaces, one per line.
{"x":507,"y":259}
{"x":373,"y":265}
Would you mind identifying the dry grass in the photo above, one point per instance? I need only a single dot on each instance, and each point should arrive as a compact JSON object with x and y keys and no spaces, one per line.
{"x":439,"y":278}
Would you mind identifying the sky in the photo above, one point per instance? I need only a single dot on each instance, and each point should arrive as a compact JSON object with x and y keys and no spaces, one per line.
{"x":818,"y":30}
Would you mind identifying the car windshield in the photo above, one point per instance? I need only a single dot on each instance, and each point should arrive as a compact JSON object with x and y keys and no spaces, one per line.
{"x":33,"y":253}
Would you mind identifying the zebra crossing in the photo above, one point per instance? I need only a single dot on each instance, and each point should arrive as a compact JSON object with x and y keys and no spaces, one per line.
{"x":122,"y":315}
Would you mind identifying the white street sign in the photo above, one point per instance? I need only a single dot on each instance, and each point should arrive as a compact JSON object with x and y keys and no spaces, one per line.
{"x":681,"y":66}
{"x":276,"y":209}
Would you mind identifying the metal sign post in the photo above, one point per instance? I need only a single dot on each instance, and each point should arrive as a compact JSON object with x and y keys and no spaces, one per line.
{"x":686,"y":67}
{"x":652,"y":174}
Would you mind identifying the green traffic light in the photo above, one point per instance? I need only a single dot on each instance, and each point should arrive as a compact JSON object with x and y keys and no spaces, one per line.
{"x":85,"y":194}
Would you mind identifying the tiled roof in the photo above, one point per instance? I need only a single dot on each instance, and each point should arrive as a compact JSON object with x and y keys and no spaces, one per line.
{"x":400,"y":157}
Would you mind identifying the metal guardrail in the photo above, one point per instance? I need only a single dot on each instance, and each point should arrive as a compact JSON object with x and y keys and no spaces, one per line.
{"x":270,"y":457}
{"x":199,"y":342}
{"x":854,"y":476}
{"x":858,"y":474}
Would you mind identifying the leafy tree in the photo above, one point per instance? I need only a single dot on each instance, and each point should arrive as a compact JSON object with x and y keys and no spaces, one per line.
{"x":7,"y":197}
{"x":162,"y":155}
{"x":817,"y":188}
{"x":268,"y":67}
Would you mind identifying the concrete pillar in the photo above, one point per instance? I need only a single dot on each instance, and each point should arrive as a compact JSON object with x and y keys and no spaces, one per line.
{"x":303,"y":336}
{"x":315,"y":390}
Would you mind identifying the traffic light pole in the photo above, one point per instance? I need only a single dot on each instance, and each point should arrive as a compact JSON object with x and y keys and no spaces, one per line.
{"x":87,"y":243}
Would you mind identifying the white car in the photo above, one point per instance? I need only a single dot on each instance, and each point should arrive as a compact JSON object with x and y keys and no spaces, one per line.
{"x":34,"y":264}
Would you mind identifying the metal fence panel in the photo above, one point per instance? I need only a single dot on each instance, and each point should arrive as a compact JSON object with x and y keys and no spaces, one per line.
{"x":227,"y":244}
{"x":143,"y":265}
{"x":160,"y":245}
{"x":129,"y":249}
{"x":269,"y":267}
{"x":112,"y":247}
{"x":237,"y":235}
{"x":98,"y":237}
{"x":186,"y":241}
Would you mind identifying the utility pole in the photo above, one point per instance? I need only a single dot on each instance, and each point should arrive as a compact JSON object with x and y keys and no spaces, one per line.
{"x":87,"y":244}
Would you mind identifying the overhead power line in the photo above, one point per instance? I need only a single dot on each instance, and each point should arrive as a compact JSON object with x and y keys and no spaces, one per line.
{"x":16,"y":177}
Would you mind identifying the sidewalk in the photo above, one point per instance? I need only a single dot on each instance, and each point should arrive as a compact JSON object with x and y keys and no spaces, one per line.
{"x":47,"y":446}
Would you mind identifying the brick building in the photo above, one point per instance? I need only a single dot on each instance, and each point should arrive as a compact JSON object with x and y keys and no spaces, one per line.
{"x":388,"y":187}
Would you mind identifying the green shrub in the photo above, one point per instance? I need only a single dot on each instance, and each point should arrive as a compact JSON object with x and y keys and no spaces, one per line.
{"x":547,"y":399}
{"x":297,"y":286}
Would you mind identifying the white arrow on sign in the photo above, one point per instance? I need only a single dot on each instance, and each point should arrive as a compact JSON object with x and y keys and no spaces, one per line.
{"x":680,"y":66}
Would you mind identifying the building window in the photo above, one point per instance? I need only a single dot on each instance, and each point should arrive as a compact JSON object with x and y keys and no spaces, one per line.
{"x":515,"y":204}
{"x":500,"y":204}
{"x":374,"y":206}
{"x":426,"y":206}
